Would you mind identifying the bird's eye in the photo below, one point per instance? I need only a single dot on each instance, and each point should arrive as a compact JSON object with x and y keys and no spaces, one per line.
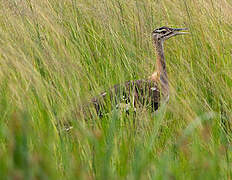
{"x":163,"y":32}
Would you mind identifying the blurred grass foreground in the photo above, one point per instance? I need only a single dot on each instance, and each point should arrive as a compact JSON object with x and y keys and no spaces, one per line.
{"x":57,"y":54}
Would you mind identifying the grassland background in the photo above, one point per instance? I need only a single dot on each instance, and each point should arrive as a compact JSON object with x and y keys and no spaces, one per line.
{"x":56,"y":55}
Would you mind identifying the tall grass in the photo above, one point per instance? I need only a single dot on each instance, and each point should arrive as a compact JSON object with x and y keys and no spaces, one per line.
{"x":56,"y":55}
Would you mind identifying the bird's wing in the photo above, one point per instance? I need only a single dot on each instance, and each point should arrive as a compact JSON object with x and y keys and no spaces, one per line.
{"x":137,"y":93}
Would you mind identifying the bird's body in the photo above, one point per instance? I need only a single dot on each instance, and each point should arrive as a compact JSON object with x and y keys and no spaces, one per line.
{"x":138,"y":93}
{"x":148,"y":92}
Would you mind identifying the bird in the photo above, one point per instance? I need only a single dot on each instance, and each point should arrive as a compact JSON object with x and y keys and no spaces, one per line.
{"x":149,"y":92}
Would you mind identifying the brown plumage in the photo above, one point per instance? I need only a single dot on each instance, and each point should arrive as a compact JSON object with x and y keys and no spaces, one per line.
{"x":148,"y":92}
{"x":138,"y":93}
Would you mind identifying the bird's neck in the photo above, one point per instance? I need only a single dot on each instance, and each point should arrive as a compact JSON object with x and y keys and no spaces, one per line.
{"x":161,"y":72}
{"x":160,"y":59}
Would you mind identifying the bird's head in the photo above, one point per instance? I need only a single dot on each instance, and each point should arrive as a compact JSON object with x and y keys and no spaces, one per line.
{"x":163,"y":33}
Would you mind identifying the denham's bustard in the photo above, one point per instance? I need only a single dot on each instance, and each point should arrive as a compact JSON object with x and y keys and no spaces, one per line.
{"x":145,"y":92}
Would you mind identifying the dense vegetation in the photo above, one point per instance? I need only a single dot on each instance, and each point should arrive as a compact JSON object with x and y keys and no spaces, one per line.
{"x":55,"y":55}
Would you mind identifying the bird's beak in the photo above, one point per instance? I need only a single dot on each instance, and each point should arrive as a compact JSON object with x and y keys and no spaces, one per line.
{"x":180,"y":31}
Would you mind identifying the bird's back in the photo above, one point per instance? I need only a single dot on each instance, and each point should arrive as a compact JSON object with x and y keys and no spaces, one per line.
{"x":135,"y":94}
